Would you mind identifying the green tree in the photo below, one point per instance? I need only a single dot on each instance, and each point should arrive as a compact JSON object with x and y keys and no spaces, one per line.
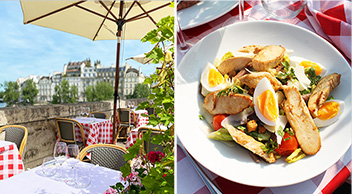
{"x":141,"y":91}
{"x":11,"y":94}
{"x":99,"y":92}
{"x":90,"y":93}
{"x":64,"y":93}
{"x":29,"y":92}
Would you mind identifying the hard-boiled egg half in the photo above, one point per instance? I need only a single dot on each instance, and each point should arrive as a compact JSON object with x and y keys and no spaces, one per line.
{"x":212,"y":80}
{"x":299,"y":64}
{"x":329,"y":112}
{"x":265,"y":102}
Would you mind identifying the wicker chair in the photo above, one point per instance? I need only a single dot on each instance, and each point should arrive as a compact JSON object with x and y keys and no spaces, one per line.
{"x":148,"y":146}
{"x":17,"y":134}
{"x":100,"y":115}
{"x":66,"y":131}
{"x":125,"y":122}
{"x":107,"y":155}
{"x":151,"y":111}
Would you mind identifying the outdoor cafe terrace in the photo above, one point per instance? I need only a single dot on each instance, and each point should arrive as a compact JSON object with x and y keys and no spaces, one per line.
{"x":40,"y":123}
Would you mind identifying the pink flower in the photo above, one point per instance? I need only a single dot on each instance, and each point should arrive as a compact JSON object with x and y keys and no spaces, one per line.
{"x":110,"y":191}
{"x":155,"y":156}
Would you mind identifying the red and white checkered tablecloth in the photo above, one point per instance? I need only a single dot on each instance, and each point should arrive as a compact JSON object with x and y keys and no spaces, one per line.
{"x":10,"y":160}
{"x":140,"y":122}
{"x":95,"y":130}
{"x":329,"y":19}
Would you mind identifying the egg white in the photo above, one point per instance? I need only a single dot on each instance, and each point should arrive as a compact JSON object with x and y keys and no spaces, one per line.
{"x":262,"y":86}
{"x":206,"y":89}
{"x":281,"y":122}
{"x":323,"y":123}
{"x":295,"y":61}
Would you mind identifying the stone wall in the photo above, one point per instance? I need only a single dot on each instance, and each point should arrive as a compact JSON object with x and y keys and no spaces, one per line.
{"x":40,"y":123}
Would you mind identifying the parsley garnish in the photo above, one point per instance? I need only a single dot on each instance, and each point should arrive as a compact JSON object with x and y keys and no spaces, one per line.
{"x":235,"y":88}
{"x":201,"y":117}
{"x":269,"y":146}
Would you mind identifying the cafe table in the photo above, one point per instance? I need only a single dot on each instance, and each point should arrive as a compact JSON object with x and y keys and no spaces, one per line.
{"x":134,"y":134}
{"x":32,"y":181}
{"x":329,"y":19}
{"x":10,"y":160}
{"x":96,"y":130}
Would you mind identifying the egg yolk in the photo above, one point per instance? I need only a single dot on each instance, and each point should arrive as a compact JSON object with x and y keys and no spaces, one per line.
{"x":267,"y":106}
{"x":328,"y":110}
{"x":214,"y":78}
{"x":317,"y":68}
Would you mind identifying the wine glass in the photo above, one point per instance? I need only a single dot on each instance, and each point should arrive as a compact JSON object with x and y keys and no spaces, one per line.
{"x":283,"y":9}
{"x":240,"y":17}
{"x":83,"y":176}
{"x":60,"y":154}
{"x":48,"y":167}
{"x":132,"y":105}
{"x":83,"y":110}
{"x":183,"y":46}
{"x":87,"y":111}
{"x":72,"y":160}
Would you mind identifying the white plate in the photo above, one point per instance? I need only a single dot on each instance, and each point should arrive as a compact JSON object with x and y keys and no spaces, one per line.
{"x":231,"y":161}
{"x":203,"y":12}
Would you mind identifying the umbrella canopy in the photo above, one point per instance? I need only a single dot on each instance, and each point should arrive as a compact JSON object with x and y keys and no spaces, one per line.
{"x":144,"y":60}
{"x":98,"y":20}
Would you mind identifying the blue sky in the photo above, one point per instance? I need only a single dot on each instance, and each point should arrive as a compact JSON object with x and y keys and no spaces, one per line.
{"x":34,"y":50}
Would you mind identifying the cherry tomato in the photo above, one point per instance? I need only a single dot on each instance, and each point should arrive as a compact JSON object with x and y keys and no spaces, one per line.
{"x":288,"y":145}
{"x":217,"y":119}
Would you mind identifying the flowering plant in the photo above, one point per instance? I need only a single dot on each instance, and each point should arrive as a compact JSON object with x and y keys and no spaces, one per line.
{"x":151,"y":171}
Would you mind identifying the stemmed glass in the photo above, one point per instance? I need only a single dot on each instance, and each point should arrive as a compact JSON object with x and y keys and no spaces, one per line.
{"x":183,"y":46}
{"x":60,"y":154}
{"x":72,"y":160}
{"x":240,"y":17}
{"x":283,"y":9}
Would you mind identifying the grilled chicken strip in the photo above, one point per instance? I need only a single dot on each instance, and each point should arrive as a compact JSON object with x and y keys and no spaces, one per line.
{"x":251,"y":49}
{"x":234,"y":64}
{"x":254,"y":78}
{"x":268,"y":57}
{"x":250,"y":143}
{"x":301,"y":121}
{"x":231,"y":104}
{"x":322,"y":91}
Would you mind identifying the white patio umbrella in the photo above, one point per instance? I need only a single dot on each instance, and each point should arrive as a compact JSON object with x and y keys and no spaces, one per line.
{"x":99,"y":20}
{"x":145,"y":60}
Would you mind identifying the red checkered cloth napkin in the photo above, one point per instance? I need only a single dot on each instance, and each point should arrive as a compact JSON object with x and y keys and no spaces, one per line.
{"x":10,"y":160}
{"x":188,"y":180}
{"x":140,"y":122}
{"x":329,"y":19}
{"x":95,"y":130}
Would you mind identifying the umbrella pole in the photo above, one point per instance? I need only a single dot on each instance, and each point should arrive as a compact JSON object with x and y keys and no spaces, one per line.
{"x":120,"y":23}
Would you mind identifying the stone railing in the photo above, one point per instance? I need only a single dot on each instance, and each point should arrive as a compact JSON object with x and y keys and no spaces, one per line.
{"x":40,"y":123}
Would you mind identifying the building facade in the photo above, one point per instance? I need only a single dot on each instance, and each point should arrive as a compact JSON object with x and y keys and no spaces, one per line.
{"x":81,"y":76}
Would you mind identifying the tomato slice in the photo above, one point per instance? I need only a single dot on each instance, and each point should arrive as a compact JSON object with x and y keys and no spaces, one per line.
{"x":288,"y":145}
{"x":217,"y":119}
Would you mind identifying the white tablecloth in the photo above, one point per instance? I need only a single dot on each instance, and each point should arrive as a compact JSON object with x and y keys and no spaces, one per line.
{"x":30,"y":182}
